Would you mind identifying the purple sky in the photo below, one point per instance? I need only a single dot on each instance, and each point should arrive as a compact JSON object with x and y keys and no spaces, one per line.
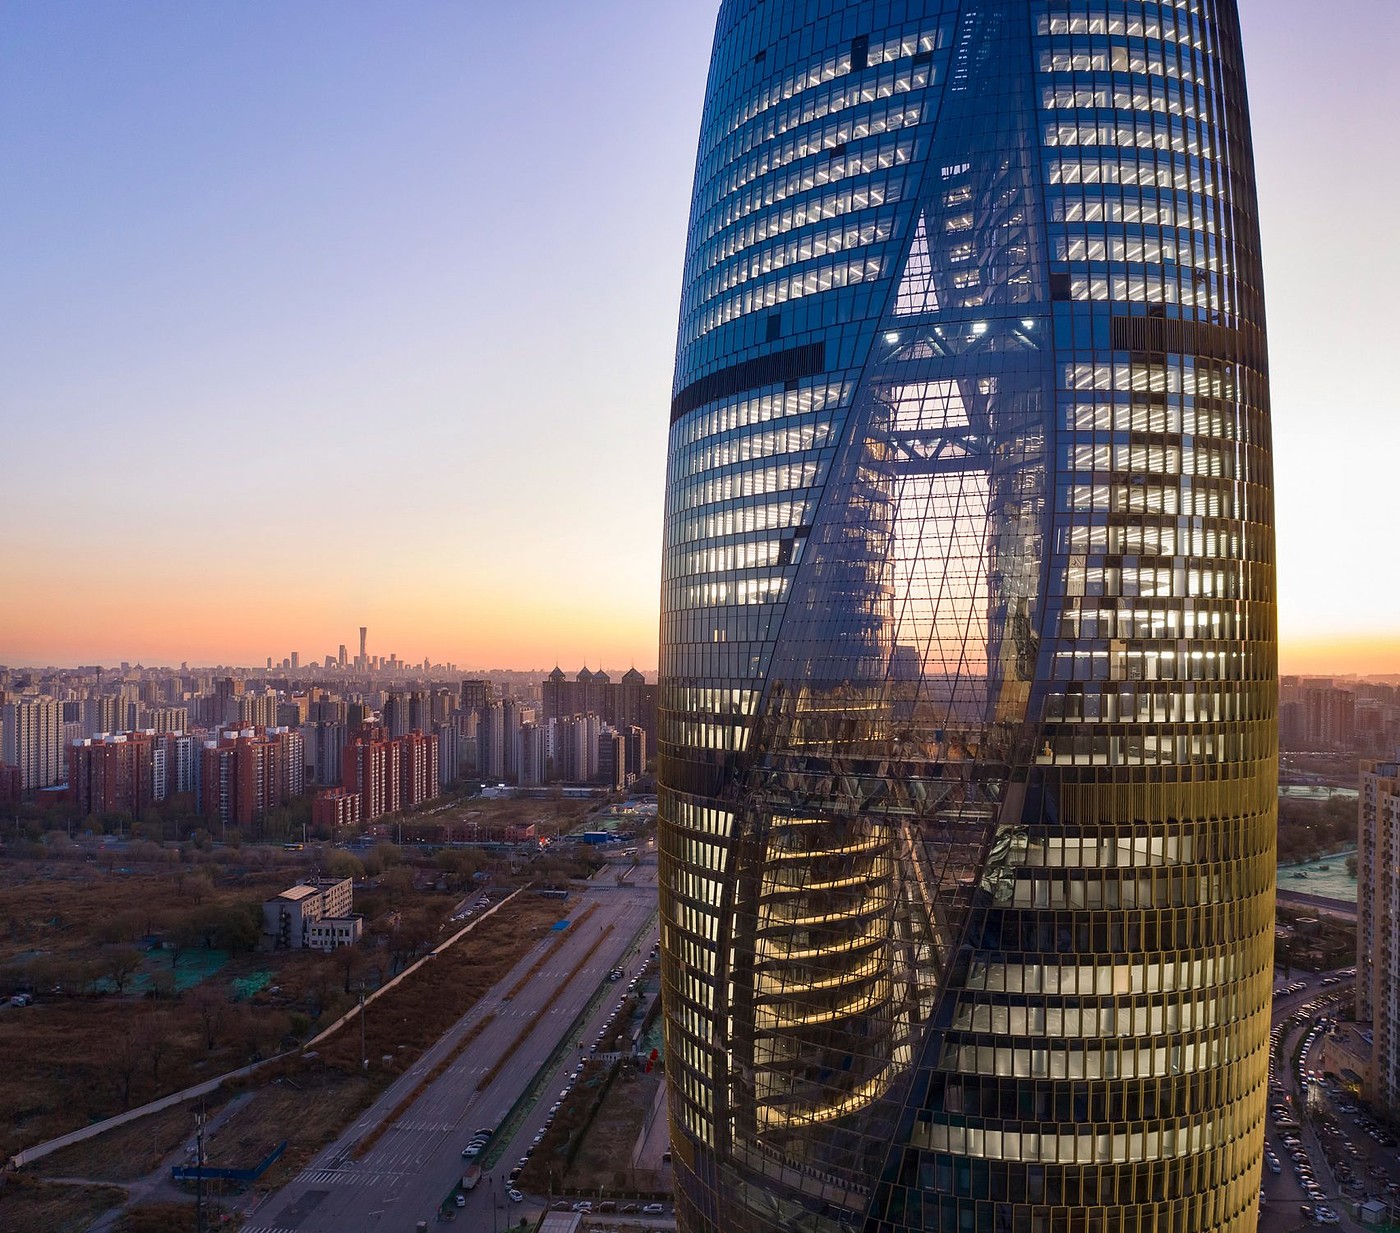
{"x":323,"y":314}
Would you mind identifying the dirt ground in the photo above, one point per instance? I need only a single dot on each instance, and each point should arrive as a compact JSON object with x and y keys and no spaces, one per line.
{"x":603,"y":1160}
{"x":128,"y":1152}
{"x":308,"y":1111}
{"x":606,"y":1154}
{"x":28,"y":1203}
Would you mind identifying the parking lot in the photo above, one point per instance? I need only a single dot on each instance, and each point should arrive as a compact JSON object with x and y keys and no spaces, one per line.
{"x":1323,"y":1153}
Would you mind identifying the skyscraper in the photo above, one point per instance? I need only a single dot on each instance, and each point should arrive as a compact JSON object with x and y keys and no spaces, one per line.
{"x":968,"y":687}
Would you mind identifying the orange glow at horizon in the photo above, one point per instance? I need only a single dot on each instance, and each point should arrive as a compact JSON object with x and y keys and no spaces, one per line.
{"x":505,"y":625}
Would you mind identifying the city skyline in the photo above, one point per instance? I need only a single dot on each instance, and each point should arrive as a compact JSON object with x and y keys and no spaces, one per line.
{"x":270,"y":288}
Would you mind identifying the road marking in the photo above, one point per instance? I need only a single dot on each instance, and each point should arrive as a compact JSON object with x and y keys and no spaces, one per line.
{"x":347,"y":1177}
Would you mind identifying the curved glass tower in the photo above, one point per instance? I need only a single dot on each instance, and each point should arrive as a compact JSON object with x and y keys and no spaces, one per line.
{"x":967,"y":725}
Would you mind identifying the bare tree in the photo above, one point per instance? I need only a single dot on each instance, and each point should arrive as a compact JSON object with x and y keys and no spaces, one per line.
{"x":159,"y":1042}
{"x":122,"y":1062}
{"x":120,"y":964}
{"x":211,"y":1007}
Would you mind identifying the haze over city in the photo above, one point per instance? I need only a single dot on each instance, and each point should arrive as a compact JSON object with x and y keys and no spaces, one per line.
{"x":297,"y":337}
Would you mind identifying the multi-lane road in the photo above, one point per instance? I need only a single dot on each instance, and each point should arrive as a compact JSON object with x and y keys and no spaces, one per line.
{"x":506,"y":1077}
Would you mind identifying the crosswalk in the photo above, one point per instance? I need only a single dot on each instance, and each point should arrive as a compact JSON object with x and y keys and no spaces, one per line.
{"x":345,"y":1177}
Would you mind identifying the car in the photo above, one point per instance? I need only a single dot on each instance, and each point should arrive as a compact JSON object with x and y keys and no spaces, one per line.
{"x":471,"y":1150}
{"x":1325,"y":1215}
{"x":1274,"y":1166}
{"x":530,"y":1151}
{"x":564,"y":1095}
{"x":513,"y":1174}
{"x":583,"y":1205}
{"x":524,"y":1160}
{"x":515,"y":1196}
{"x":556,"y":1106}
{"x":629,"y":1208}
{"x":653,"y":1209}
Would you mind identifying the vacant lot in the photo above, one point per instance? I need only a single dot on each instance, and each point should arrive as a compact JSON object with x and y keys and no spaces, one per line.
{"x":26,"y":1203}
{"x":308,"y":1102}
{"x":147,"y":979}
{"x":128,"y":1152}
{"x":606,"y":1154}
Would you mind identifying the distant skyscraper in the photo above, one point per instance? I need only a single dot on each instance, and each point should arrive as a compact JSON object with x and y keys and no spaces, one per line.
{"x":31,"y":738}
{"x":100,"y":715}
{"x":477,"y":694}
{"x":490,"y":741}
{"x":395,"y":713}
{"x":967,"y":750}
{"x":363,"y":662}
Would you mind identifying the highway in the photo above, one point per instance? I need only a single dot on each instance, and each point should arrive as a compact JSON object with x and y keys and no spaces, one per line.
{"x":416,"y":1161}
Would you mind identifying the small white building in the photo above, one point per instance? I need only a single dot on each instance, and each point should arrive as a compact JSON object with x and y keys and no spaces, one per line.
{"x":315,"y":914}
{"x":333,"y":931}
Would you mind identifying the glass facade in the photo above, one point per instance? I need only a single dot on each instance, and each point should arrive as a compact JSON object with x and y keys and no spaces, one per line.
{"x":968,"y":682}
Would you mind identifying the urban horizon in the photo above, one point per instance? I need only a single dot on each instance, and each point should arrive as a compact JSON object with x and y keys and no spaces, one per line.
{"x":171,"y":278}
{"x":1363,"y":660}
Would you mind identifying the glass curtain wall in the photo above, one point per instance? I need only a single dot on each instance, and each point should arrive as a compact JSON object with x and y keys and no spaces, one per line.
{"x":967,"y":700}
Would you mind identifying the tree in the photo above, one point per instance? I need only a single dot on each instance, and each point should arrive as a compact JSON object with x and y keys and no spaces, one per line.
{"x":345,"y":865}
{"x":459,"y":864}
{"x":121,"y":1063}
{"x":159,"y":1042}
{"x":198,"y":888}
{"x":211,"y":1007}
{"x":230,"y":926}
{"x":398,"y":884}
{"x":388,"y":854}
{"x":120,"y":964}
{"x":352,"y":963}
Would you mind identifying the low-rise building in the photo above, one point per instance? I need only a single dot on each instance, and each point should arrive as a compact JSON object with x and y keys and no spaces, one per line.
{"x":335,"y":931}
{"x":1346,"y":1051}
{"x":290,"y":920}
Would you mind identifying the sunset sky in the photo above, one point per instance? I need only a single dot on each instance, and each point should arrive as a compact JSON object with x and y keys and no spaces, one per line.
{"x":318,"y":315}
